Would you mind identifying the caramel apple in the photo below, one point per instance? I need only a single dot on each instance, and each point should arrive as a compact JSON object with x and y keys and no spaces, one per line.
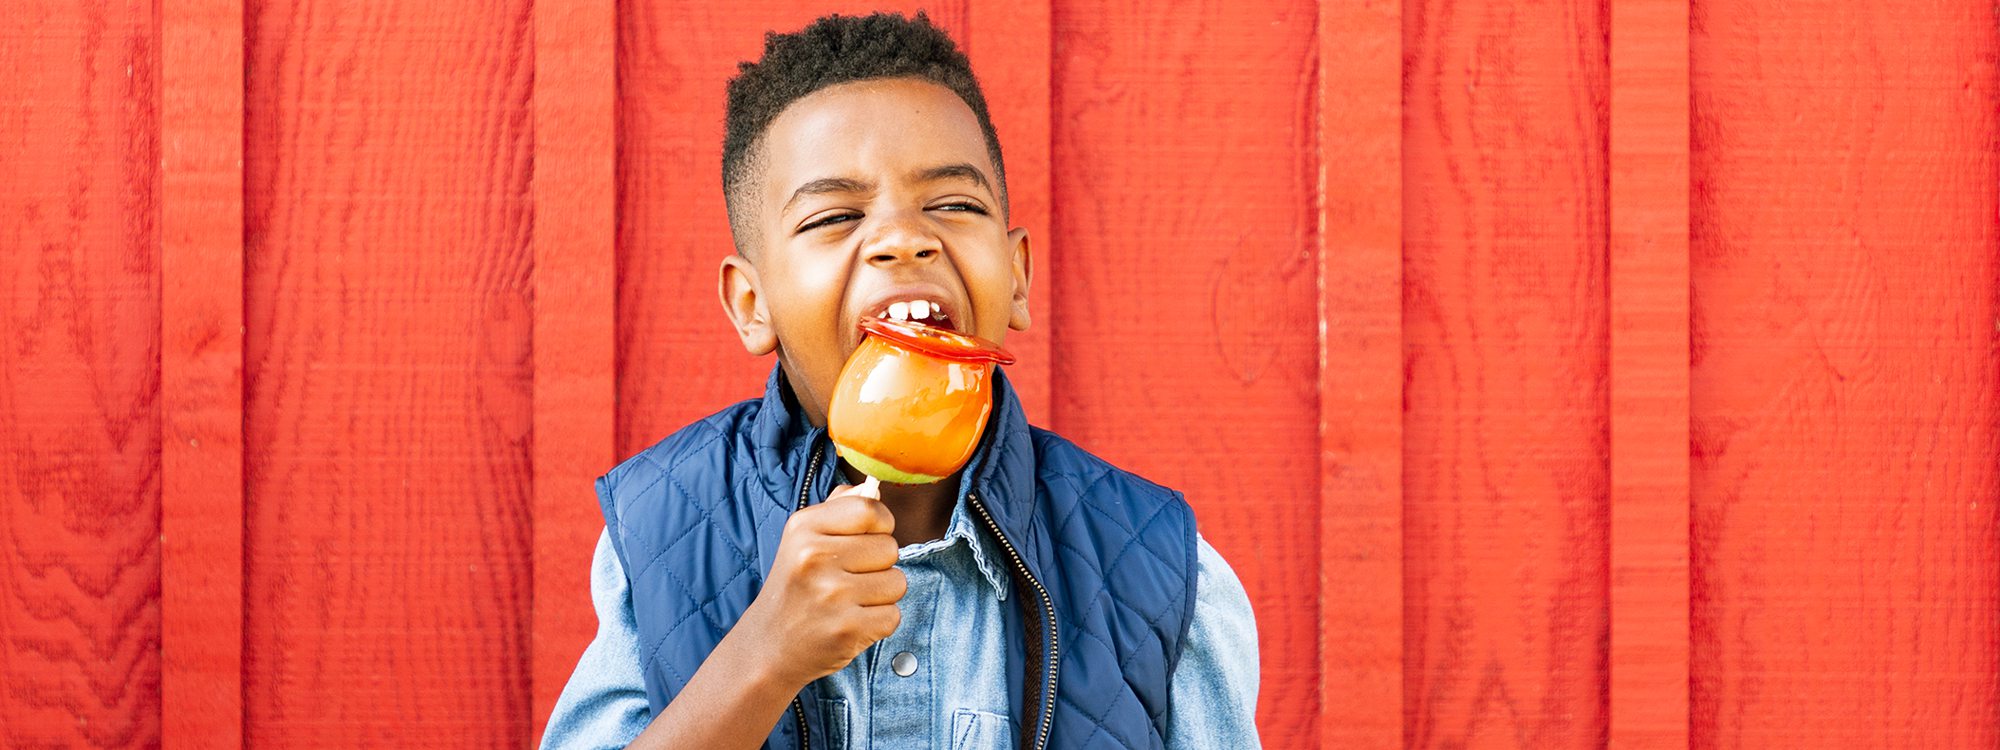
{"x":912,"y":400}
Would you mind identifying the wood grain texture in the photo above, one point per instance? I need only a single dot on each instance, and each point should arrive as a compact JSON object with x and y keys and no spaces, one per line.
{"x":1561,"y":374}
{"x":388,"y":374}
{"x":201,"y":374}
{"x":1649,"y":374}
{"x":678,"y":358}
{"x":575,"y":253}
{"x":1506,"y":346}
{"x":79,"y":375}
{"x":1846,"y":366}
{"x":1186,"y":345}
{"x":1360,"y":159}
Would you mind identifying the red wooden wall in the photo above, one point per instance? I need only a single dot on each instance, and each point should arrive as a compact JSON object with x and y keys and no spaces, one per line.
{"x":1554,"y":374}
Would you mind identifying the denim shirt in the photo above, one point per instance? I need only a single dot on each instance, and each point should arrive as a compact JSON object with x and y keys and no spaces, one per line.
{"x":939,"y":680}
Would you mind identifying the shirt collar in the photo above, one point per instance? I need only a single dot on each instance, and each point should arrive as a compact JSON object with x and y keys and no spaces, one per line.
{"x":961,"y":530}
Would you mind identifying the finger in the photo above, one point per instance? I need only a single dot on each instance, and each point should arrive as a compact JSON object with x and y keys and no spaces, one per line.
{"x":847,"y":513}
{"x":881,"y":621}
{"x":879,"y":588}
{"x":866,"y":553}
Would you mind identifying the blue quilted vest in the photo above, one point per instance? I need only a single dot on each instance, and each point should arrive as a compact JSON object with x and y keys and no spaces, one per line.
{"x":1105,"y":562}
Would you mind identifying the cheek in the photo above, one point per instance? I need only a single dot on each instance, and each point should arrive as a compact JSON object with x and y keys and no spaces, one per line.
{"x":991,"y":284}
{"x":807,"y":292}
{"x":805,"y":316}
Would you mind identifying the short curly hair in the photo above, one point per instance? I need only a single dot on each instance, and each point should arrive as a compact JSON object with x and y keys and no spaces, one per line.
{"x":832,"y":50}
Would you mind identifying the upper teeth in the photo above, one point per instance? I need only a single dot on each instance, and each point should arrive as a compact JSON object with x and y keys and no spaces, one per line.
{"x":912,"y":310}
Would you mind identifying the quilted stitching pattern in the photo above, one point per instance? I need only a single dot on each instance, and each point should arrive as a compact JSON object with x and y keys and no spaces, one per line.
{"x":702,"y":573}
{"x":1115,"y":551}
{"x":1130,"y":612}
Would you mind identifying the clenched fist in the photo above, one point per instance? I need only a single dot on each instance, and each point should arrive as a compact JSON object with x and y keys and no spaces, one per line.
{"x":833,"y":590}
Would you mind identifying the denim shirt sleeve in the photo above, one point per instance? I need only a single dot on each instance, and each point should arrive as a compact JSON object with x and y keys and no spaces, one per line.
{"x":1214,"y":688}
{"x":604,"y":704}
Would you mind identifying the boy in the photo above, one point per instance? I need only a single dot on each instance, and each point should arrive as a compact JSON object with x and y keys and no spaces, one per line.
{"x":1038,"y":598}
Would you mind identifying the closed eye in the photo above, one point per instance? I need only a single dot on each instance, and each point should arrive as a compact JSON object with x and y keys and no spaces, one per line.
{"x":827,"y":221}
{"x":962,"y":206}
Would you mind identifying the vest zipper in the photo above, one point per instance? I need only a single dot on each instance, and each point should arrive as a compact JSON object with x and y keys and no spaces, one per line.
{"x":1048,"y":611}
{"x":805,"y":488}
{"x":799,"y":712}
{"x":1048,"y":694}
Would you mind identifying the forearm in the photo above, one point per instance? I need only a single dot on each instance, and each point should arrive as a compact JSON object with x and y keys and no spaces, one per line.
{"x":732,"y":701}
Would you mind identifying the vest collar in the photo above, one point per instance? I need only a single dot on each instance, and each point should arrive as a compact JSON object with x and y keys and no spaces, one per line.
{"x":782,"y":442}
{"x":1003,"y":471}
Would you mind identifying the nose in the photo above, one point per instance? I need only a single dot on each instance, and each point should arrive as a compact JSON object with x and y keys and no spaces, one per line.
{"x":901,"y":238}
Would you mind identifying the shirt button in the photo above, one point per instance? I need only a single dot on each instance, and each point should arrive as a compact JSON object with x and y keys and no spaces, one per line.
{"x":904,"y":663}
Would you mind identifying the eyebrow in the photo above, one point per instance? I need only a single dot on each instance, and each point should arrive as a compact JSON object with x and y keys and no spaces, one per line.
{"x":825,"y":185}
{"x":959,"y":171}
{"x":828,"y":185}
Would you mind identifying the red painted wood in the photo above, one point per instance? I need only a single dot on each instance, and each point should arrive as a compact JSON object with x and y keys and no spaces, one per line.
{"x":201,"y":374}
{"x":1009,"y":46}
{"x":1649,"y":374}
{"x":1846,"y":366}
{"x":575,"y":231}
{"x":388,"y":373}
{"x":1360,"y":155}
{"x":79,"y":375}
{"x":678,"y":358}
{"x":1186,"y":346}
{"x":1421,"y":286}
{"x":1505,"y":343}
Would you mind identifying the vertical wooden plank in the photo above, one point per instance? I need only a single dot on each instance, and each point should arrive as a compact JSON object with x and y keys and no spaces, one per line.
{"x":1649,"y":374}
{"x":678,"y":358}
{"x":79,"y":374}
{"x":1360,"y":155}
{"x":201,"y":374}
{"x":1186,"y":289}
{"x":388,"y":373}
{"x":1845,"y":390}
{"x":1505,"y":332}
{"x":575,"y":231}
{"x":1008,"y":41}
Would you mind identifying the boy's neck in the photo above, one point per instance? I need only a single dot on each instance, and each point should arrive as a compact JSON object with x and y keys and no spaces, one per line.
{"x":922,"y":511}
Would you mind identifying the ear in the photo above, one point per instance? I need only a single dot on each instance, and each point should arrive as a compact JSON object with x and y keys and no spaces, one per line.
{"x":1024,"y":273}
{"x":743,"y":302}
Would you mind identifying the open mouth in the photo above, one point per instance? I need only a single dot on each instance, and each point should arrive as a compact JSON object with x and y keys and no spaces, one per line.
{"x":920,"y":321}
{"x":922,"y":312}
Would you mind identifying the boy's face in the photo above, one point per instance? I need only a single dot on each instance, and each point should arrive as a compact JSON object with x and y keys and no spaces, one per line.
{"x":873,"y":193}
